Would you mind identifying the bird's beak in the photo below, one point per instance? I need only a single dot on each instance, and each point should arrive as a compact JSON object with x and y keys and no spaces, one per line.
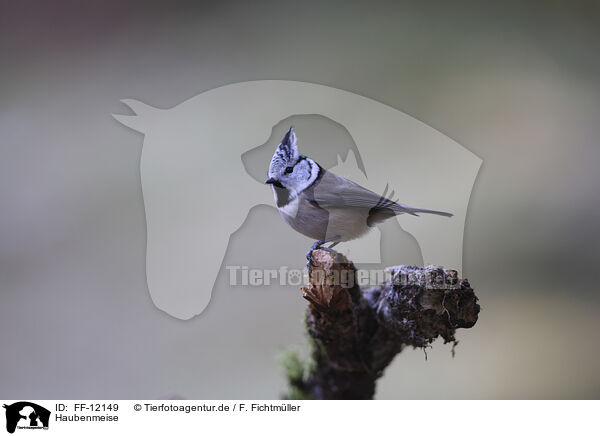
{"x":274,"y":182}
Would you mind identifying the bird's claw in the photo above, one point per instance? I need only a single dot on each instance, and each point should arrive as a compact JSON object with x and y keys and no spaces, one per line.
{"x":309,"y":268}
{"x":319,"y":246}
{"x":310,"y":263}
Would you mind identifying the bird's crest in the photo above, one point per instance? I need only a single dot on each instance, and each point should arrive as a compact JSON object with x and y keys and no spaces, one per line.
{"x":287,"y":149}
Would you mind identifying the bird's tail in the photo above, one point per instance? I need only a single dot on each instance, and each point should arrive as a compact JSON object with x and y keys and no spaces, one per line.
{"x":385,"y":202}
{"x":434,"y":212}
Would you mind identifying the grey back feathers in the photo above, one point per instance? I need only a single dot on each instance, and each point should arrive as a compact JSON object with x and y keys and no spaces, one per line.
{"x":322,"y":205}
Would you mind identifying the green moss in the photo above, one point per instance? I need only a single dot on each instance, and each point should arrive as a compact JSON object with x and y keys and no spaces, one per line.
{"x":292,"y":364}
{"x":297,"y":371}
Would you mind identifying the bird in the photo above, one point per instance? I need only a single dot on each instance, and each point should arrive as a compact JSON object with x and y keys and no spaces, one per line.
{"x":324,"y":206}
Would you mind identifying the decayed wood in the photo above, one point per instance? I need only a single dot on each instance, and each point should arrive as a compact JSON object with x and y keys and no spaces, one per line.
{"x":356,"y":333}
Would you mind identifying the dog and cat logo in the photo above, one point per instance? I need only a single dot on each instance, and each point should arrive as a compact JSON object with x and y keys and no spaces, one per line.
{"x":26,"y":415}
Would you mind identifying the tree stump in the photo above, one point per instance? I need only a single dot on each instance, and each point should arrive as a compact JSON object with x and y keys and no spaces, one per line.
{"x":355,"y":334}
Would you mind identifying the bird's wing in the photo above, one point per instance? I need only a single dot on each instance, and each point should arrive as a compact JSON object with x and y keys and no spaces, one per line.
{"x":333,"y":191}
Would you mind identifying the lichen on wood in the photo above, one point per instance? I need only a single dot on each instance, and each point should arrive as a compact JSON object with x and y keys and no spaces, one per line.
{"x":355,"y":334}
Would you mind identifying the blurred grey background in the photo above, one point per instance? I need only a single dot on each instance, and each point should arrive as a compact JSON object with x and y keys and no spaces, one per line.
{"x":517,"y":83}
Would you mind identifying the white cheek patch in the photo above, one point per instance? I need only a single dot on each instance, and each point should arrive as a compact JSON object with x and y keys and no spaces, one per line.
{"x":314,"y":173}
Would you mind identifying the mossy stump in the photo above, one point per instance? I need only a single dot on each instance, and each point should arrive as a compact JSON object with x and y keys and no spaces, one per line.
{"x":355,"y":333}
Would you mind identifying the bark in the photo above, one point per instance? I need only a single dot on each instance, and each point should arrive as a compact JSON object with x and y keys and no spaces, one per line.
{"x":356,"y":333}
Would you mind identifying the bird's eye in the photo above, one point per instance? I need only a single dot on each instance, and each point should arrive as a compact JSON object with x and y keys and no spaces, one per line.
{"x":289,"y":170}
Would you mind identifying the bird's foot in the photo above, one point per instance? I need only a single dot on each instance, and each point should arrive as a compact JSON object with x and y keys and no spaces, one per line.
{"x":319,"y":246}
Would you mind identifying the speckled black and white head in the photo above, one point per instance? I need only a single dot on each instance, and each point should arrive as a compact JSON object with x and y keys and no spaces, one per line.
{"x":289,"y":169}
